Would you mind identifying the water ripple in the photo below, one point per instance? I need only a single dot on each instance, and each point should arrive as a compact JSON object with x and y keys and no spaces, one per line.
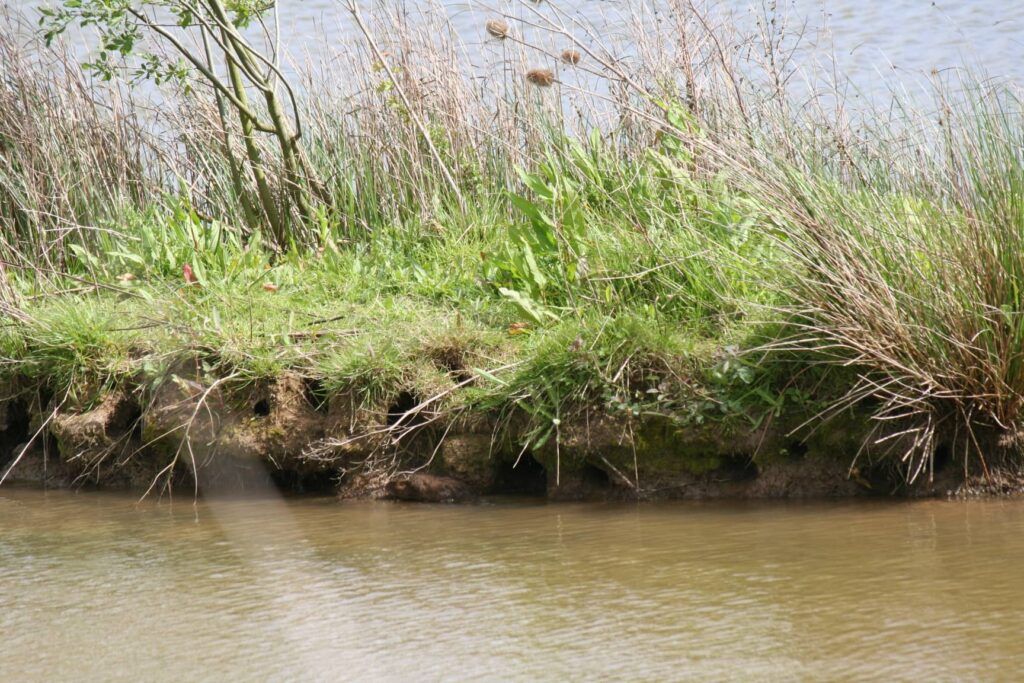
{"x":94,"y":586}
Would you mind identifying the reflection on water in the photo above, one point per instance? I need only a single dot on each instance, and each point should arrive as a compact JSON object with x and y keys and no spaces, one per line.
{"x":95,"y":586}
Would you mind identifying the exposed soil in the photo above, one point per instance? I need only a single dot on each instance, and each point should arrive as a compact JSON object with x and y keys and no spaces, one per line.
{"x":286,"y":434}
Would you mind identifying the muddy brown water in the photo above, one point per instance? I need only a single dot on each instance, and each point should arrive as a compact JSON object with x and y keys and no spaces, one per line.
{"x":96,"y":587}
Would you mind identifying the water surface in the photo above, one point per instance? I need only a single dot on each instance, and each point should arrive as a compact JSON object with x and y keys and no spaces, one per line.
{"x":96,"y":587}
{"x":869,"y":38}
{"x":877,"y":44}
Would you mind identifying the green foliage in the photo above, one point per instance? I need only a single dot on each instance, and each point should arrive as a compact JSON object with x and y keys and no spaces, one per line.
{"x":606,"y":230}
{"x":78,"y":346}
{"x":158,"y":243}
{"x":122,"y":26}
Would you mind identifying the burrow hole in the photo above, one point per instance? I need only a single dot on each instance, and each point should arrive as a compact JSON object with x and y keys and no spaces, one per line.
{"x":403,"y":403}
{"x":16,"y":431}
{"x":737,"y":467}
{"x":261,"y":408}
{"x":525,"y":477}
{"x":595,"y":477}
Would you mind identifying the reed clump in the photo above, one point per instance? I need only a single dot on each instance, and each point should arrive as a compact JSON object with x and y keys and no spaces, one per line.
{"x":72,"y":155}
{"x":908,"y":270}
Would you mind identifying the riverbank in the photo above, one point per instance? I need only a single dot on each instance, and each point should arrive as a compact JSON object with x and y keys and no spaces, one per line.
{"x":697,"y":289}
{"x":116,"y":391}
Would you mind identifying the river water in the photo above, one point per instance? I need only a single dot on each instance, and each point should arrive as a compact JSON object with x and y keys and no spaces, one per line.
{"x":911,"y":37}
{"x":877,"y":45}
{"x":94,"y":586}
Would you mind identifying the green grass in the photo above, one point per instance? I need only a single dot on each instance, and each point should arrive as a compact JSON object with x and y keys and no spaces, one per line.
{"x":607,"y":281}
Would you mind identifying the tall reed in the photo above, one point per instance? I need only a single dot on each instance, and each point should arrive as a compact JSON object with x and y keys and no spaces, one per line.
{"x":73,"y":154}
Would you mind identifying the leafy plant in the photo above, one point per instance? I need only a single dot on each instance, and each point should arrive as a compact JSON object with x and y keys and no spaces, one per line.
{"x":217,"y":26}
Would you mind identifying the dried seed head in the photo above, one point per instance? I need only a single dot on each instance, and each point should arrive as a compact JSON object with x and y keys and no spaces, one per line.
{"x":541,"y":77}
{"x":497,"y":28}
{"x":571,"y":57}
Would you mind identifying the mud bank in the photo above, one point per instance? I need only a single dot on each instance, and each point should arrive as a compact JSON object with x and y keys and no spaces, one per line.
{"x":184,"y":433}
